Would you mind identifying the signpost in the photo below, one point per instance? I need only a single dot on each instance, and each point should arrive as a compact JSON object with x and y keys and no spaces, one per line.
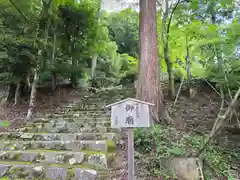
{"x":130,"y":113}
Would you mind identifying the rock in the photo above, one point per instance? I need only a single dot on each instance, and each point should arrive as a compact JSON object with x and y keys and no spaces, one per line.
{"x":26,"y":136}
{"x":77,"y":159}
{"x":28,"y":156}
{"x":49,"y":157}
{"x":99,"y":160}
{"x":20,"y":171}
{"x":110,"y":136}
{"x":186,"y":168}
{"x":56,"y":173}
{"x":38,"y":171}
{"x":60,"y":157}
{"x":4,"y":169}
{"x":96,"y":145}
{"x":3,"y":154}
{"x":72,"y":161}
{"x":85,"y":174}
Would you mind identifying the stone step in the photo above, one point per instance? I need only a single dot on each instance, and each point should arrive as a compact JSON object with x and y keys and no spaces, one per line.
{"x":74,"y":109}
{"x":57,"y":136}
{"x":79,"y":120}
{"x":86,"y":106}
{"x":87,"y":145}
{"x":63,"y":126}
{"x":101,"y":114}
{"x":88,"y":113}
{"x":74,"y":129}
{"x":68,"y":128}
{"x":85,"y":109}
{"x":21,"y":171}
{"x":55,"y":157}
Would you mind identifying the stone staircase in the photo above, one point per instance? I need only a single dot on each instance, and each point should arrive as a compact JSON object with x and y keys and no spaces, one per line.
{"x":76,"y":143}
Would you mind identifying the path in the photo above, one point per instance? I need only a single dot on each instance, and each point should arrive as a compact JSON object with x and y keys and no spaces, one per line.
{"x":76,"y":143}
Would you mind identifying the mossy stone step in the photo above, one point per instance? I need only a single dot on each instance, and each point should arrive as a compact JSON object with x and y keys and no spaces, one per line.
{"x":15,"y":171}
{"x":86,"y":106}
{"x":66,"y":127}
{"x":69,"y":119}
{"x":100,"y":114}
{"x":101,"y":146}
{"x":84,"y":110}
{"x":57,"y":136}
{"x":57,"y":157}
{"x":81,"y":113}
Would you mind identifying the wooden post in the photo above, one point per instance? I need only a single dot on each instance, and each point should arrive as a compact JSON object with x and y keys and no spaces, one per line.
{"x":130,"y":113}
{"x":131,"y":168}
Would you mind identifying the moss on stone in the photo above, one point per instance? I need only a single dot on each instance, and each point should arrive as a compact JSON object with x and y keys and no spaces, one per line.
{"x":39,"y":156}
{"x":23,"y":174}
{"x":93,"y":152}
{"x":17,"y":156}
{"x":70,"y":175}
{"x":15,"y":170}
{"x":111,"y":146}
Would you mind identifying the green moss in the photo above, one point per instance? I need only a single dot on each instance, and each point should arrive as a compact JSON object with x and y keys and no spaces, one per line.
{"x":17,"y":157}
{"x":15,"y":171}
{"x":111,"y":146}
{"x":14,"y":162}
{"x":23,"y":174}
{"x":70,"y":175}
{"x":82,"y":166}
{"x":93,"y":152}
{"x":39,"y":156}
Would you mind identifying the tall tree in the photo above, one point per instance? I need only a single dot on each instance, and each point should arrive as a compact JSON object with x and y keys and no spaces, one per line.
{"x":168,"y":10}
{"x":148,"y":80}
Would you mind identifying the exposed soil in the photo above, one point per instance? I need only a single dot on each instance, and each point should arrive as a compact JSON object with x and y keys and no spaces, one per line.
{"x":45,"y":104}
{"x":198,"y":113}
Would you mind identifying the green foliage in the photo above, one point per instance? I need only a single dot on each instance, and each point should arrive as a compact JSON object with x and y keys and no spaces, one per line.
{"x":158,"y":143}
{"x":123,"y":29}
{"x":73,"y":23}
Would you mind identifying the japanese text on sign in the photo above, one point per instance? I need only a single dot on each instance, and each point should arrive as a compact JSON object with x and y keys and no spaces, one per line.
{"x":130,"y":113}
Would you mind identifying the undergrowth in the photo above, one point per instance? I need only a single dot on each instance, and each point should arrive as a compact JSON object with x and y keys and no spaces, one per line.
{"x":157,"y":143}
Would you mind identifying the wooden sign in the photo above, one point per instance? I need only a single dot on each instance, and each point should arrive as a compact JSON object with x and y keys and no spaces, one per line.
{"x":130,"y":113}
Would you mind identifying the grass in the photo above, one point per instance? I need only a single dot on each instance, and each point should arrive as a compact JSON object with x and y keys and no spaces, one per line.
{"x":159,"y":142}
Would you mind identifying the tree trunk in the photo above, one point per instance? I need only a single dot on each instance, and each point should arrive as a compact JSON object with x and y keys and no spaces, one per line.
{"x":17,"y":94}
{"x":11,"y":92}
{"x":165,"y":34}
{"x":95,"y":56}
{"x":43,"y":61}
{"x":171,"y":84}
{"x":54,"y":81}
{"x":32,"y":96}
{"x":149,"y":75}
{"x":40,"y":59}
{"x":74,"y":78}
{"x":54,"y":76}
{"x":73,"y":74}
{"x":28,"y":81}
{"x":171,"y":88}
{"x":94,"y":65}
{"x":188,"y":69}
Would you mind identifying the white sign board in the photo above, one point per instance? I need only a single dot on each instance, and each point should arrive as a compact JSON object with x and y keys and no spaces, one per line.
{"x":130,"y":113}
